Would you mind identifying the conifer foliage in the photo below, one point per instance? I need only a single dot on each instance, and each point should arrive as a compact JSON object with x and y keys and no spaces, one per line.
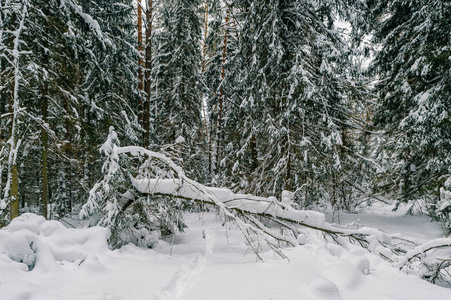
{"x":265,"y":97}
{"x":286,"y":109}
{"x":63,"y":76}
{"x":178,"y":83}
{"x":414,"y":69}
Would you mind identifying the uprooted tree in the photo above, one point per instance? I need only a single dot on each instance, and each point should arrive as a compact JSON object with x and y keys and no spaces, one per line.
{"x":143,"y":195}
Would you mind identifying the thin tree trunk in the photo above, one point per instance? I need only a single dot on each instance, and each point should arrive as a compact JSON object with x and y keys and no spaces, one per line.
{"x":204,"y":55}
{"x":68,"y":152}
{"x":12,"y":185}
{"x":287,"y":184}
{"x":45,"y":147}
{"x":204,"y":112}
{"x":14,"y":192}
{"x":253,"y":153}
{"x":140,"y":71}
{"x":147,"y":82}
{"x":221,"y":95}
{"x":44,"y":137}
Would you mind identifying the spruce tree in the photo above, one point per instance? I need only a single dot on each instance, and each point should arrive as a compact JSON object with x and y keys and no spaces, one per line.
{"x":289,"y":102}
{"x":220,"y":48}
{"x":414,"y":70}
{"x":177,"y":82}
{"x":75,"y":70}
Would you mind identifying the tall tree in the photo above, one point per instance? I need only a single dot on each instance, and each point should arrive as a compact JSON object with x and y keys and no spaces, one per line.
{"x":177,"y":76}
{"x":141,"y":62}
{"x":288,"y":106}
{"x":221,"y":44}
{"x":147,"y":73}
{"x":414,"y":70}
{"x":79,"y":63}
{"x":13,"y":18}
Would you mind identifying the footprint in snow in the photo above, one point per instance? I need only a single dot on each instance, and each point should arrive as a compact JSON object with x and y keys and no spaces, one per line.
{"x":181,"y":280}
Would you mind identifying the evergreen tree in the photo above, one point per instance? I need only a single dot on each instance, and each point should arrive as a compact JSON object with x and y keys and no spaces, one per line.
{"x":114,"y":201}
{"x":75,"y":75}
{"x":13,"y":18}
{"x":414,"y":70}
{"x":220,"y":48}
{"x":177,"y":82}
{"x":289,"y":108}
{"x":108,"y":93}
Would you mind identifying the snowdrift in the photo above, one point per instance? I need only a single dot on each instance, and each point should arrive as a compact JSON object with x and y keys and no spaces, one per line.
{"x":44,"y":260}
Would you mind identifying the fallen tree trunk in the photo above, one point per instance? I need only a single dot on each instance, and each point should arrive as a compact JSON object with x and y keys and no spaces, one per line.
{"x":158,"y":181}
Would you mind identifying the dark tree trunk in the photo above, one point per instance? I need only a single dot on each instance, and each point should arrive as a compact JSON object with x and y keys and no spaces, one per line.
{"x":147,"y":82}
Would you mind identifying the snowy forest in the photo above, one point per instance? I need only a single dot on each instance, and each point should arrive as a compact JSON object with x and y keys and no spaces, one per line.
{"x":276,"y":116}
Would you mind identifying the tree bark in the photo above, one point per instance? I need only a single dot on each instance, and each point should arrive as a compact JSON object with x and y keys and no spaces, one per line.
{"x":140,"y":71}
{"x":12,"y":186}
{"x":221,"y":95}
{"x":68,"y":152}
{"x":45,"y":147}
{"x":204,"y":60}
{"x":44,"y":135}
{"x":147,"y":79}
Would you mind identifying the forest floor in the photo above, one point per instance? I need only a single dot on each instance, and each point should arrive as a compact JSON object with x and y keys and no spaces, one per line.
{"x":208,"y":261}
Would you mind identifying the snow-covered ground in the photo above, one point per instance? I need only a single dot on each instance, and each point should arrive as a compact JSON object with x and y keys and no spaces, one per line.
{"x":208,"y":261}
{"x":420,"y":228}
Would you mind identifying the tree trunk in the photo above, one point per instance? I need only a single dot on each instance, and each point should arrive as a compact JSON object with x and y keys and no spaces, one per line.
{"x":14,"y":192}
{"x":204,"y":56}
{"x":44,"y":136}
{"x":287,"y":185}
{"x":140,"y":71}
{"x":68,"y":152}
{"x":148,"y":65}
{"x":45,"y":147}
{"x":204,"y":111}
{"x":13,"y":182}
{"x":253,"y":153}
{"x":12,"y":186}
{"x":221,"y":95}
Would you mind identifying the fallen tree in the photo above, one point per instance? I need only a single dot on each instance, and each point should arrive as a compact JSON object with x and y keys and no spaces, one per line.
{"x":143,"y":194}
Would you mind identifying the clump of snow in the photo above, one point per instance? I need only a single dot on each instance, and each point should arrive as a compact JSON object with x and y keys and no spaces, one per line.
{"x":445,"y":196}
{"x":322,"y":288}
{"x":27,"y":221}
{"x":180,"y":140}
{"x":39,"y":244}
{"x":287,"y":197}
{"x":20,"y":247}
{"x":362,"y":263}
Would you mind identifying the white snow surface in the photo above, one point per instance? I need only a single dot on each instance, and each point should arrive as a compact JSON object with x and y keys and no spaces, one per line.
{"x":42,"y":259}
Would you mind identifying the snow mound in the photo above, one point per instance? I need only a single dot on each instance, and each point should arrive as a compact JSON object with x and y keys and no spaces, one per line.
{"x":361,"y":263}
{"x":322,"y":288}
{"x":35,"y":243}
{"x":21,"y":248}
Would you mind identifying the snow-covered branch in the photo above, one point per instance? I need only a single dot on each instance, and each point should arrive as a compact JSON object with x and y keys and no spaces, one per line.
{"x":261,"y":219}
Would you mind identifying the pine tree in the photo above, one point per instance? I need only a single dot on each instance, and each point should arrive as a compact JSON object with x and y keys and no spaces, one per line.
{"x":114,"y":201}
{"x":107,"y":90}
